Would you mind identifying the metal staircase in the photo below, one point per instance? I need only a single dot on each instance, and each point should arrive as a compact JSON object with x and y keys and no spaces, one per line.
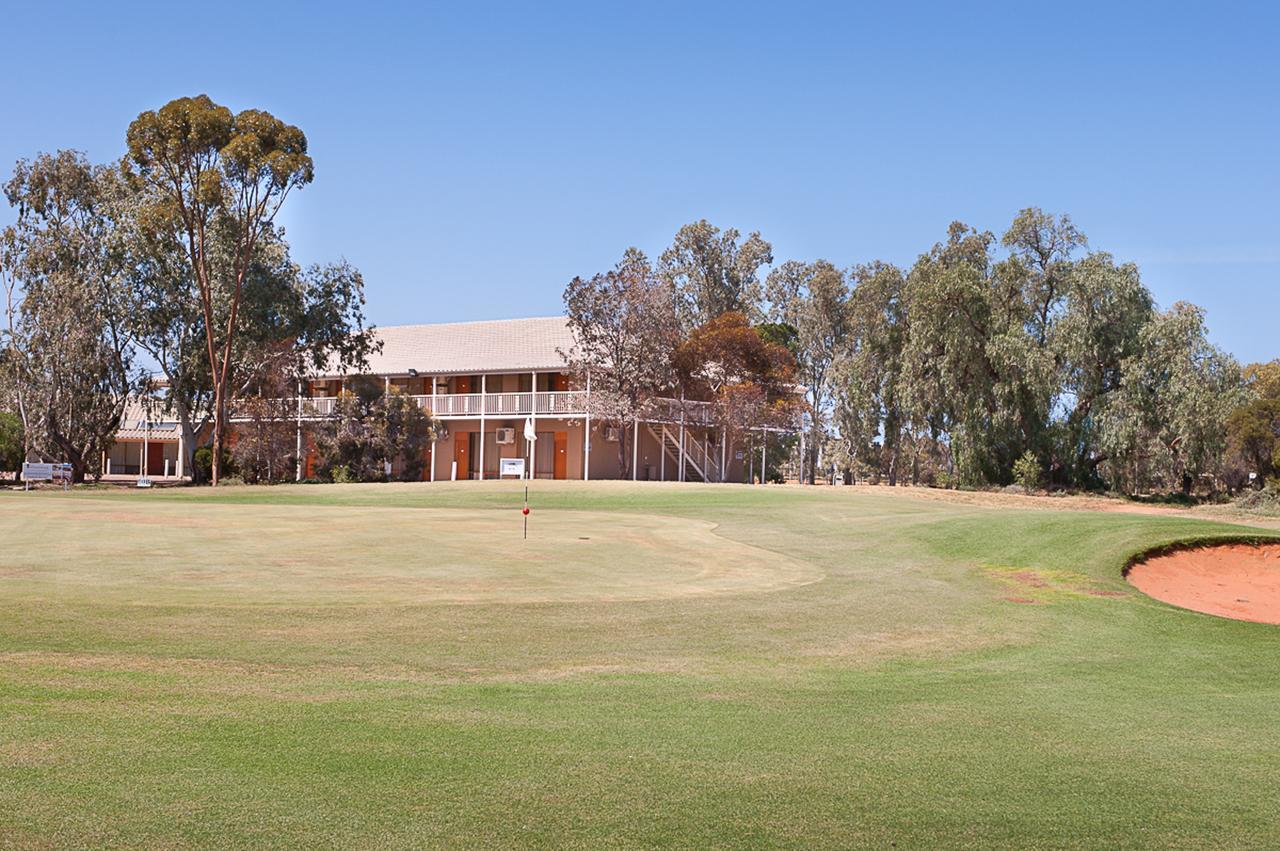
{"x":699,"y":464}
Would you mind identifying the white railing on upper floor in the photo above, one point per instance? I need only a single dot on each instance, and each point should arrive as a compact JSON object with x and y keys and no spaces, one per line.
{"x":509,"y":405}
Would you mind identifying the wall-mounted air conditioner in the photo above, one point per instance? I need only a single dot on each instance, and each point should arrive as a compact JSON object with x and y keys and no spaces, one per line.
{"x":506,"y":435}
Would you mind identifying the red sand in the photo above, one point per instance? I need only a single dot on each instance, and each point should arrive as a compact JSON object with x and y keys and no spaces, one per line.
{"x":1238,"y":581}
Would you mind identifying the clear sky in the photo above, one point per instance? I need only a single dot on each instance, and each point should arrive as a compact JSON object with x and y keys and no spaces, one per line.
{"x":471,"y":158}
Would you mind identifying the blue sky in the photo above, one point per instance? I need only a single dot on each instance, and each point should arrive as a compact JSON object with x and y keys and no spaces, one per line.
{"x":472,"y":158}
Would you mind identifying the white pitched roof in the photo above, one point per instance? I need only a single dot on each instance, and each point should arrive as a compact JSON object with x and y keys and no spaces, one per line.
{"x":464,"y":348}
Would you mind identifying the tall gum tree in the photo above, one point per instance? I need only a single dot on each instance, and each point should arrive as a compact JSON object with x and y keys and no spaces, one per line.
{"x":712,"y":272}
{"x":209,"y":167}
{"x":812,"y":298}
{"x":625,"y":331}
{"x":69,"y":350}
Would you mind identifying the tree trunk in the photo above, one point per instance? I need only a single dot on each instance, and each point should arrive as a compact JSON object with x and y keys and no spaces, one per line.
{"x":219,"y":419}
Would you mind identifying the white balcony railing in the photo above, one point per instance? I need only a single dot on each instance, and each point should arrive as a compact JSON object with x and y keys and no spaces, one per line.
{"x":510,"y":405}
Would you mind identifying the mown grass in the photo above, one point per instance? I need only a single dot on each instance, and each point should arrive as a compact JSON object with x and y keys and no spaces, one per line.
{"x":958,"y":676}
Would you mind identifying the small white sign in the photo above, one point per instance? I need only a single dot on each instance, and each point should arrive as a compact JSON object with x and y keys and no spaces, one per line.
{"x":37,"y":472}
{"x":511,"y":467}
{"x":42,"y":472}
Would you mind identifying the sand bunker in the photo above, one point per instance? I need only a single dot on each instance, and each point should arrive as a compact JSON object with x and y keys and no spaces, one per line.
{"x":1240,"y":581}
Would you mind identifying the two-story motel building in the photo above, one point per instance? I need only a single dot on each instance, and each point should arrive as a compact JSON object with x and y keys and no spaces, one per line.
{"x":482,"y":382}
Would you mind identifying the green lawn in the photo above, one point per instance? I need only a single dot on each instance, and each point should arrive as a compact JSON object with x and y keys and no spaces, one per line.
{"x":392,"y":665}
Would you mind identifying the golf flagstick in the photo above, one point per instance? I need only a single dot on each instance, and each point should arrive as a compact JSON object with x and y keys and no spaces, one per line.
{"x":526,"y":512}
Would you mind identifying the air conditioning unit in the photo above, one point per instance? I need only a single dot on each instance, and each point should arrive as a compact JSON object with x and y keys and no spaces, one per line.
{"x":613,"y":434}
{"x":506,"y":435}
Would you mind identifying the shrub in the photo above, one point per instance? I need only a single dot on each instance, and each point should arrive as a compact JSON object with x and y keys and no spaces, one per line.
{"x":1026,"y":471}
{"x":203,"y":463}
{"x":10,"y":442}
{"x":1266,"y":502}
{"x":342,"y":475}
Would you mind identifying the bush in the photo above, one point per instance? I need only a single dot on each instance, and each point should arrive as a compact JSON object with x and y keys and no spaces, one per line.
{"x":10,"y":442}
{"x":1026,"y":472}
{"x":203,"y":462}
{"x":342,"y":475}
{"x":1266,"y":501}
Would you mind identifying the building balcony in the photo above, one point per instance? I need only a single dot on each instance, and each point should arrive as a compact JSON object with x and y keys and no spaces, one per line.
{"x":452,"y":406}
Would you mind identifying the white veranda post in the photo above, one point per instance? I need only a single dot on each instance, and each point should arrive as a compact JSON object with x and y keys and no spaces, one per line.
{"x":586,"y":436}
{"x":297,"y":439}
{"x":724,"y":453}
{"x":435,"y":379}
{"x":533,"y":418}
{"x":482,"y":407}
{"x":635,"y":450}
{"x":802,"y":453}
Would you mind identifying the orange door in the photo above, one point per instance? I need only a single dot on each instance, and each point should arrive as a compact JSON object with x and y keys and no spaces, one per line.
{"x":462,"y":384}
{"x":461,"y":445}
{"x":155,"y":459}
{"x":562,"y":455}
{"x":559,"y":381}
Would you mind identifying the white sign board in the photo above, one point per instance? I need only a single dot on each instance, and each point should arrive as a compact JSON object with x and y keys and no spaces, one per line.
{"x":511,"y":467}
{"x":37,"y":472}
{"x":41,"y":472}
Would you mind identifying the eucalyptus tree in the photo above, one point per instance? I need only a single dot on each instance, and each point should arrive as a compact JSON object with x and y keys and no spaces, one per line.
{"x":1253,"y":429}
{"x":949,"y":376}
{"x":713,"y":271}
{"x":1167,"y":423}
{"x":625,"y":332}
{"x":813,"y":299}
{"x":1042,"y":244}
{"x":68,"y":348}
{"x":208,"y":167}
{"x":292,"y":322}
{"x":1100,"y":329}
{"x":868,"y":371}
{"x":11,"y":393}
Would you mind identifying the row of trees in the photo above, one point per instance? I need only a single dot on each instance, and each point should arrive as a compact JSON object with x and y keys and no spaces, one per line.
{"x":168,"y":260}
{"x":1027,"y":357}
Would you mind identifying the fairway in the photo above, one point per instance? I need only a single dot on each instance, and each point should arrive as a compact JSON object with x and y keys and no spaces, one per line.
{"x":395,"y":666}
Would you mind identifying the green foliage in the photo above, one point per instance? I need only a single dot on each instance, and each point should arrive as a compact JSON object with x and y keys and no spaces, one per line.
{"x":780,"y":333}
{"x":371,"y":428}
{"x":812,"y":298}
{"x":341,"y":475}
{"x":713,"y":272}
{"x":67,"y":350}
{"x":1167,"y":422}
{"x":202,"y":458}
{"x":201,"y":169}
{"x":1027,"y":472}
{"x":1253,"y":429}
{"x":10,"y":442}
